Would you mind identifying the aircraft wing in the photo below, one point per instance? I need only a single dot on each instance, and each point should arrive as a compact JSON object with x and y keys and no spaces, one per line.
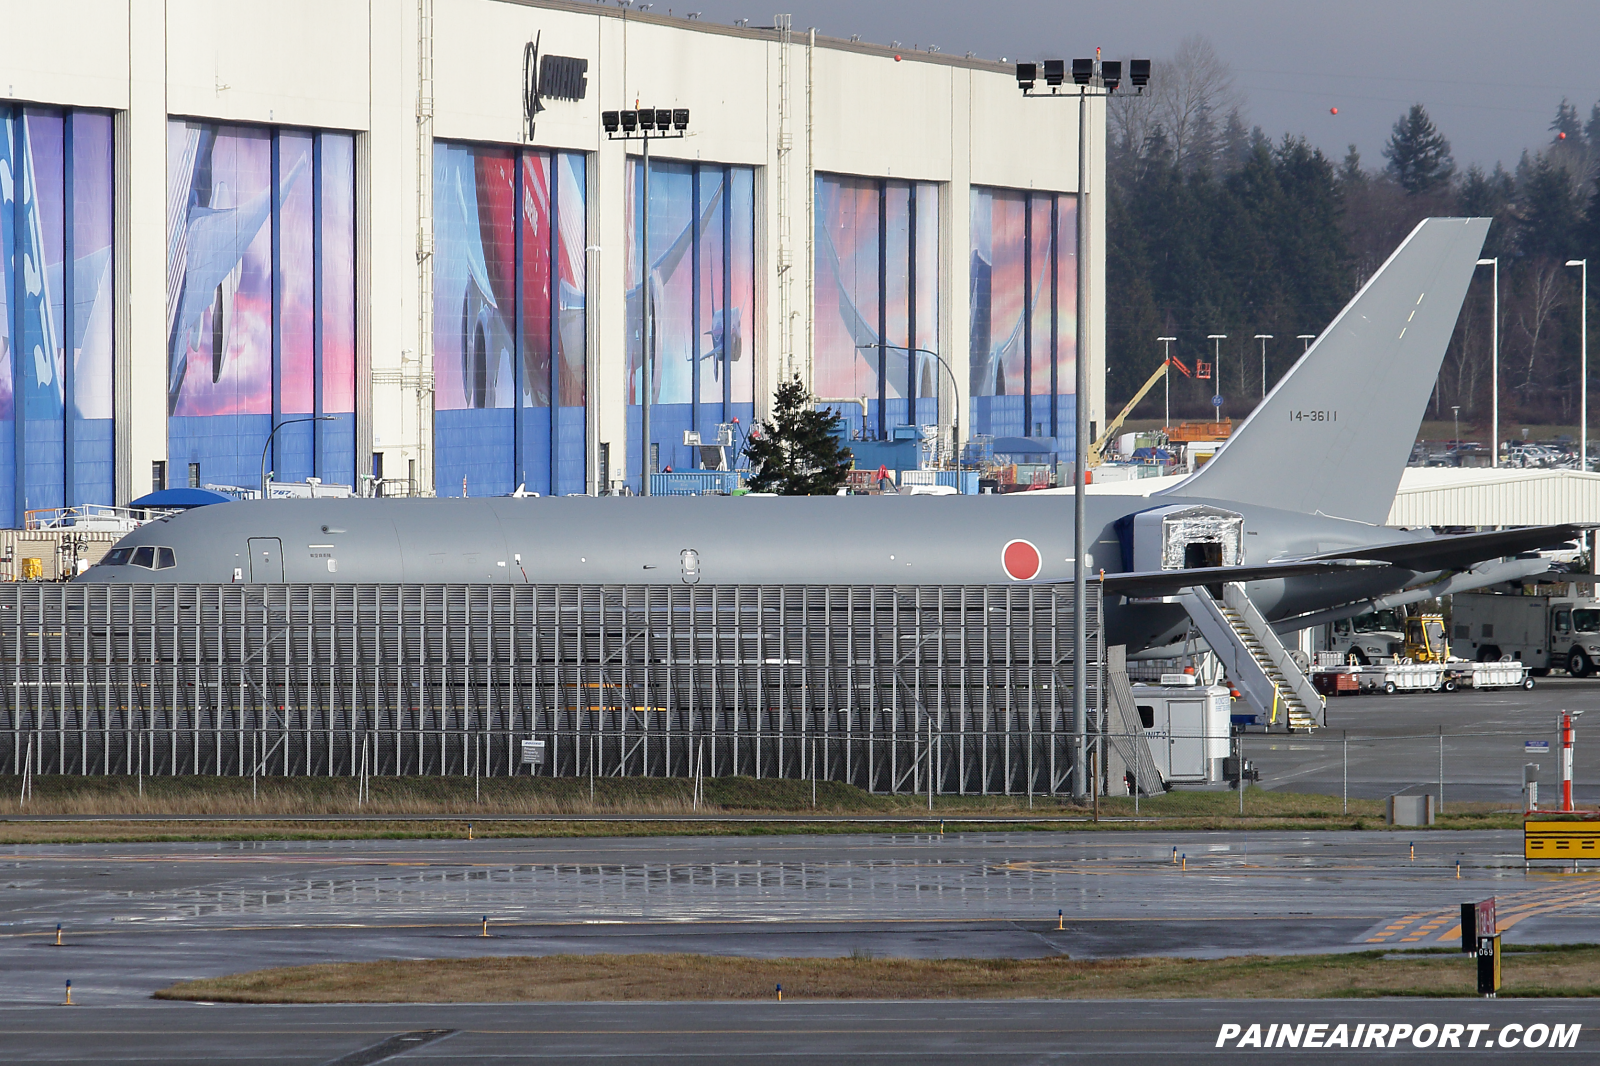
{"x":1458,"y":551}
{"x":1169,"y":582}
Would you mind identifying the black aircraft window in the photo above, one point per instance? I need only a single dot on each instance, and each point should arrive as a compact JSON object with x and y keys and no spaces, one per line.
{"x":165,"y":558}
{"x":1147,"y":717}
{"x":145,"y":556}
{"x":117,"y":557}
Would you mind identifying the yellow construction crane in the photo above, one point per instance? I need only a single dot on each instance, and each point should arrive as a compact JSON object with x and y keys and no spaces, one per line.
{"x":1097,"y":449}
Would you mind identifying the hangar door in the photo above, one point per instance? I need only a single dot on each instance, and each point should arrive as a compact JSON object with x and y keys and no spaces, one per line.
{"x":266,"y":560}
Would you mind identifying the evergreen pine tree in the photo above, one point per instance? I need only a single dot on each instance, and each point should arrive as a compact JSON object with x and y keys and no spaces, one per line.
{"x":798,"y":452}
{"x":1350,"y":172}
{"x":1419,"y":156}
{"x":1549,"y":211}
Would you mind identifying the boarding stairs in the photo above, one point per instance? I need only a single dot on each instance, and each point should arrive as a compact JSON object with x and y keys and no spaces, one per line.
{"x":1256,"y":661}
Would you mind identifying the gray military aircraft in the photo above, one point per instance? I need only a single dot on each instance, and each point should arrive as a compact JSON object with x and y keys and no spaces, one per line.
{"x":1293,"y":506}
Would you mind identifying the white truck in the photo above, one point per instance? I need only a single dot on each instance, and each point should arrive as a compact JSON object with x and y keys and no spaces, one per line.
{"x":1559,"y":628}
{"x":1368,"y":637}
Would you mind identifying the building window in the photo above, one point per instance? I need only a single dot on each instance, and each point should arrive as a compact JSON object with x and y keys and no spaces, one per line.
{"x":701,"y":286}
{"x":261,"y":242}
{"x":194,"y":475}
{"x":877,"y":301}
{"x":1024,"y":315}
{"x":158,"y":475}
{"x":56,"y":313}
{"x":509,"y":319}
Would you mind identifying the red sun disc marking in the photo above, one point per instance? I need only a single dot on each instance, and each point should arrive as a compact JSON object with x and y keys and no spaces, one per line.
{"x":1021,"y":560}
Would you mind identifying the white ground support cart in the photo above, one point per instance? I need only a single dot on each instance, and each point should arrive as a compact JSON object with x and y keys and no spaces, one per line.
{"x":1402,"y":677}
{"x":1506,"y":673}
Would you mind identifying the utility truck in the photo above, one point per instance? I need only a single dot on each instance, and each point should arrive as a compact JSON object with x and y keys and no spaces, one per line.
{"x":1366,"y":638}
{"x":1550,"y":626}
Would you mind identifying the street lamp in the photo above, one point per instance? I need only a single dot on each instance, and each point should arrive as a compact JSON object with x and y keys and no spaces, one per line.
{"x":955,"y":416}
{"x":1166,"y":371}
{"x":1091,"y":78}
{"x":641,"y":125}
{"x":1216,"y":374}
{"x":1494,"y":366}
{"x":1263,"y":338}
{"x":1305,"y":339}
{"x":1583,"y":359}
{"x":1455,"y":413}
{"x":267,"y":446}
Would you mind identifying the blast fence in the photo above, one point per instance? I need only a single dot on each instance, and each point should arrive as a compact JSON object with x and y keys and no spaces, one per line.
{"x":945,"y":689}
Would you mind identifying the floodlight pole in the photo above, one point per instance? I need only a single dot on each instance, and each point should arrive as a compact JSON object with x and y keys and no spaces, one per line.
{"x":1494,"y":366}
{"x":1263,"y":338}
{"x":1166,"y":373}
{"x":1305,"y":339}
{"x":1583,"y":359}
{"x":644,"y":132}
{"x":1216,"y":374}
{"x":1092,"y":84}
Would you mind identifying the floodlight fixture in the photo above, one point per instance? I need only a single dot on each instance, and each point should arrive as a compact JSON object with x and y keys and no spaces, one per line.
{"x":1055,"y":72}
{"x":1111,"y":74}
{"x":630,"y":121}
{"x":1027,"y":74}
{"x":663,"y":119}
{"x":680,"y":118}
{"x":609,"y":120}
{"x":1138,"y":73}
{"x":1082,"y":71}
{"x":647,"y":118}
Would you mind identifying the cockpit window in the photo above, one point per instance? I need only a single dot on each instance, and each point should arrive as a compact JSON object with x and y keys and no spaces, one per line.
{"x":145,"y":556}
{"x":117,"y":557}
{"x":151,"y":557}
{"x":165,"y":558}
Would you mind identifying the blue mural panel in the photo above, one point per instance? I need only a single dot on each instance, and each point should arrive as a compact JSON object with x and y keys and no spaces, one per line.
{"x":876,"y":301}
{"x":700,"y":291}
{"x":248,"y":248}
{"x":55,"y":310}
{"x":1023,"y":314}
{"x":509,"y":316}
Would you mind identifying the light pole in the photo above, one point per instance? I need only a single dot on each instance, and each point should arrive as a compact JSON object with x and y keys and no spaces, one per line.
{"x":1216,"y":374}
{"x":1090,"y":82}
{"x":267,"y":446}
{"x":1305,"y":339}
{"x":1455,"y":413}
{"x":955,"y":389}
{"x":1166,"y":373}
{"x":1583,"y":361}
{"x":1494,"y":366}
{"x":641,"y":125}
{"x":1263,"y":338}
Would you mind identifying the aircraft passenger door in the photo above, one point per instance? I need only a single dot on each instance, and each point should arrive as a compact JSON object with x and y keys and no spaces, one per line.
{"x":266,"y":560}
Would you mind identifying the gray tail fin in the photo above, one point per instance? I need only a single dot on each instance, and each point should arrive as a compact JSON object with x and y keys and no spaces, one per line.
{"x":1335,"y":433}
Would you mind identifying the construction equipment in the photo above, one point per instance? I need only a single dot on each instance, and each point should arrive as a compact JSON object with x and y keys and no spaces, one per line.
{"x":1097,"y":449}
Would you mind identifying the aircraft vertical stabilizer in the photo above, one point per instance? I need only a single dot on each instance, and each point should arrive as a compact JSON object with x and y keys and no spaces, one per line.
{"x":1334,"y":435}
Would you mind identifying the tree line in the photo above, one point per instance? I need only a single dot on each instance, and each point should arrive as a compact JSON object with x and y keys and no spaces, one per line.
{"x":1215,"y":228}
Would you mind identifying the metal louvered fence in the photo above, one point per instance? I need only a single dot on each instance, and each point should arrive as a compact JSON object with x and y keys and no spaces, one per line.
{"x":872,"y":685}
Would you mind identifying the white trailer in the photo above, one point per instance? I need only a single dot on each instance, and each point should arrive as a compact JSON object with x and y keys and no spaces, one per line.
{"x":1557,"y":628}
{"x":1187,"y":726}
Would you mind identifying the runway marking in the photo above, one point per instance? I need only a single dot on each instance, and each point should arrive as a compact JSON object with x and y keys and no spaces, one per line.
{"x":1512,"y":907}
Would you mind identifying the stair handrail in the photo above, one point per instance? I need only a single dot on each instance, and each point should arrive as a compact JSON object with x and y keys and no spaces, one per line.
{"x":1234,"y":596}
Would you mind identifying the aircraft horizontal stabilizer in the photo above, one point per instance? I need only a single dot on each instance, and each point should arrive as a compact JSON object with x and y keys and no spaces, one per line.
{"x":1458,"y":551}
{"x":1170,"y":582}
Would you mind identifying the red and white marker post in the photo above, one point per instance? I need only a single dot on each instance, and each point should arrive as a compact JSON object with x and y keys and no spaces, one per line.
{"x":1566,"y":761}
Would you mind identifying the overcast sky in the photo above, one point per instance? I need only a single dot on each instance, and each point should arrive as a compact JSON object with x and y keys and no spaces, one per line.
{"x":1490,"y":73}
